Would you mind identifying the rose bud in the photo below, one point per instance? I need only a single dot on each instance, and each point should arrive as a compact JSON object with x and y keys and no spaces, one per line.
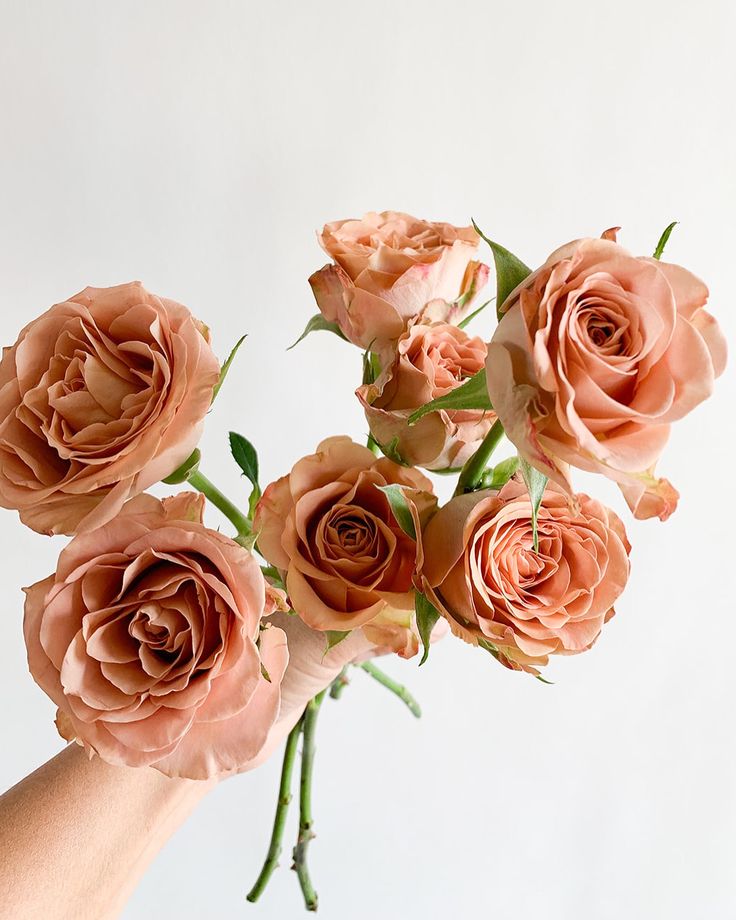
{"x":430,"y":360}
{"x":101,"y":397}
{"x":387,"y":268}
{"x":148,"y":638}
{"x":330,"y":530}
{"x":598,"y":352}
{"x":484,"y":576}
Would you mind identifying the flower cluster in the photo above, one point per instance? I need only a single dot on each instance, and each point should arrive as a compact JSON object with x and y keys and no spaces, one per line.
{"x":161,"y":640}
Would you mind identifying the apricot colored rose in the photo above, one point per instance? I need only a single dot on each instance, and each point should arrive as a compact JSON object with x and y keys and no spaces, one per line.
{"x":101,"y":396}
{"x":148,"y":638}
{"x":430,"y":360}
{"x":598,"y":352}
{"x":330,"y":530}
{"x":388,"y":268}
{"x":483,"y":574}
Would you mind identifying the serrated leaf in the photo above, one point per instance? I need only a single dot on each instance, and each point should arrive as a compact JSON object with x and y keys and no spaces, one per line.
{"x":182,"y":473}
{"x":510,"y":270}
{"x":316,"y":323}
{"x":246,"y":457}
{"x":400,"y":508}
{"x":666,"y":233}
{"x":226,"y":366}
{"x":468,"y":319}
{"x":334,"y":637}
{"x":427,"y":615}
{"x":497,"y":477}
{"x":536,"y":483}
{"x":473,"y":394}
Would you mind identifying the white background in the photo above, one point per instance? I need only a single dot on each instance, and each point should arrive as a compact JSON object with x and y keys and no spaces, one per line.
{"x":198,"y":146}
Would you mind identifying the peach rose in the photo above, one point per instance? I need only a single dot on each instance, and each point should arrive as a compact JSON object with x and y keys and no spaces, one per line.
{"x":482,"y":573}
{"x":388,"y":268}
{"x":147,"y":639}
{"x":598,"y":352}
{"x":430,"y":360}
{"x":395,"y":631}
{"x":330,"y":529}
{"x":101,"y":396}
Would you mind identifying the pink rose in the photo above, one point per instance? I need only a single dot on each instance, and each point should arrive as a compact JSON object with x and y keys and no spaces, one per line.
{"x":330,"y":529}
{"x":101,"y":396}
{"x":388,"y":268}
{"x":482,"y":573}
{"x":430,"y":360}
{"x":147,"y":637}
{"x":598,"y":352}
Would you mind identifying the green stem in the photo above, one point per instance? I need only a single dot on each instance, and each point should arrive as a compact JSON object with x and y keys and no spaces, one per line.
{"x":306,"y":822}
{"x":239,"y":521}
{"x":472,"y":473}
{"x":282,"y":808}
{"x":390,"y":684}
{"x":339,"y":684}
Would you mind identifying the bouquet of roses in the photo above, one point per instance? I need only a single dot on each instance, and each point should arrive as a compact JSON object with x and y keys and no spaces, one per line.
{"x":165,"y":643}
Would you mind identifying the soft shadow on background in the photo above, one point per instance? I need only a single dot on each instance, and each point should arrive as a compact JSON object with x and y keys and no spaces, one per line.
{"x":197,"y":147}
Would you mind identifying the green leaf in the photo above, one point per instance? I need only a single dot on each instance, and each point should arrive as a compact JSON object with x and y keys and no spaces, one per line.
{"x":182,"y":474}
{"x":499,"y":475}
{"x":510,"y":271}
{"x":473,"y":394}
{"x":226,"y":366}
{"x":246,"y":457}
{"x":468,"y":319}
{"x":334,"y":637}
{"x":536,"y":483}
{"x":663,"y":239}
{"x":316,"y":323}
{"x":400,"y":508}
{"x":427,"y":616}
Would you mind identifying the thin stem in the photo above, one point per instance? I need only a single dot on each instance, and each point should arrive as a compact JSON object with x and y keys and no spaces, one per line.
{"x":306,"y":822}
{"x":390,"y":684}
{"x":282,"y":808}
{"x":239,"y":521}
{"x":472,"y":472}
{"x":339,"y":684}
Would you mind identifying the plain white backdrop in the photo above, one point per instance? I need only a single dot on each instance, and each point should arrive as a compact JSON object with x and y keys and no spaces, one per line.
{"x":198,"y":146}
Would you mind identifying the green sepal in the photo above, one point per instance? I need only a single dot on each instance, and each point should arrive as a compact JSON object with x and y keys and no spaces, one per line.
{"x":473,"y":394}
{"x":187,"y":469}
{"x":400,"y":508}
{"x":666,"y":233}
{"x":427,"y":615}
{"x":510,"y":270}
{"x":497,"y":476}
{"x":536,"y":483}
{"x":316,"y":323}
{"x":334,"y":637}
{"x":226,"y":366}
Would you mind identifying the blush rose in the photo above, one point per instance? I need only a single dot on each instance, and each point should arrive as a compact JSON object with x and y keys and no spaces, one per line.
{"x":148,"y":638}
{"x":101,"y":396}
{"x":484,"y":576}
{"x":330,"y":530}
{"x":430,"y":360}
{"x":598,"y":352}
{"x":388,"y":268}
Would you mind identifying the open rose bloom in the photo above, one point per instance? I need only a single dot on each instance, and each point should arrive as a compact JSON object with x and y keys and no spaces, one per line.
{"x":484,"y":575}
{"x":598,"y":352}
{"x":330,"y":530}
{"x":148,"y":638}
{"x":388,"y":268}
{"x":430,"y":360}
{"x":101,"y":397}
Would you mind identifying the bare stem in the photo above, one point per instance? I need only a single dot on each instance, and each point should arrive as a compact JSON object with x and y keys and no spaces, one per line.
{"x":472,"y":473}
{"x":306,"y":822}
{"x":390,"y":684}
{"x":239,"y":521}
{"x":282,"y":808}
{"x":339,"y":684}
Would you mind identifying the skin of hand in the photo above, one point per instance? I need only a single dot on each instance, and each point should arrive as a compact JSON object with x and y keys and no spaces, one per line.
{"x":77,"y":834}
